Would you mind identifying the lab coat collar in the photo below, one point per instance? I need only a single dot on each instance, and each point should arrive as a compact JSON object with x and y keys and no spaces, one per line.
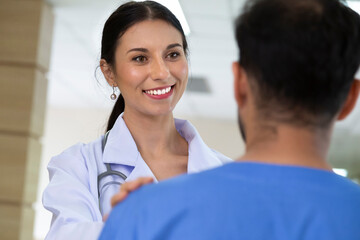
{"x":121,"y":149}
{"x":201,"y":157}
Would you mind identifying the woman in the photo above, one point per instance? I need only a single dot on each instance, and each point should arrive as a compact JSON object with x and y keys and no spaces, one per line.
{"x":144,"y":55}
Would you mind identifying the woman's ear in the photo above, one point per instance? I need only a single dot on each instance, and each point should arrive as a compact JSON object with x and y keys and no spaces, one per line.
{"x":108,"y":72}
{"x":240,"y":84}
{"x":350,"y":100}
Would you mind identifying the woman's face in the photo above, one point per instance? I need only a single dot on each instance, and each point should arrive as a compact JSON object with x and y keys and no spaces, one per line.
{"x":151,"y":68}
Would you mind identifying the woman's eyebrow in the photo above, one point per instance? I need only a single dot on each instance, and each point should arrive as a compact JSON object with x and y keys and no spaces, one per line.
{"x":145,"y":50}
{"x":138,"y":50}
{"x":173,"y":45}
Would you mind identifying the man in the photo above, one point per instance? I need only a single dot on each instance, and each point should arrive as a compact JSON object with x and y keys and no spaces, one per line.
{"x":295,"y":78}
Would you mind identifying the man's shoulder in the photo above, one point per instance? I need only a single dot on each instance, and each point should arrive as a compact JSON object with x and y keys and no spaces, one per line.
{"x":179,"y":189}
{"x":184,"y":183}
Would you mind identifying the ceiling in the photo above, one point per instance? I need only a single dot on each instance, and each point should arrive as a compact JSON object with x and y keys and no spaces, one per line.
{"x":76,"y":51}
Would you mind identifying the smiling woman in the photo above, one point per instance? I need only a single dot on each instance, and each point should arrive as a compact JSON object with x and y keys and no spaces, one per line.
{"x":143,"y":64}
{"x":144,"y":54}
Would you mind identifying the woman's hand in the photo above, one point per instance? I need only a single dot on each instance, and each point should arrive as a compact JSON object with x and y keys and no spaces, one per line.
{"x":127,"y":188}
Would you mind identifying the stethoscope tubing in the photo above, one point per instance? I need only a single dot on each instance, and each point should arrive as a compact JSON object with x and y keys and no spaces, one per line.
{"x":108,"y":171}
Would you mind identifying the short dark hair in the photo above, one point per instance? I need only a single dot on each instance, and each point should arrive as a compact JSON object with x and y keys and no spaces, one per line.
{"x":301,"y":57}
{"x":122,"y":19}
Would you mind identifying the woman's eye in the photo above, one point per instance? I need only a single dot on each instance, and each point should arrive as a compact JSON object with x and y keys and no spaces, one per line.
{"x":140,"y":59}
{"x":174,"y":55}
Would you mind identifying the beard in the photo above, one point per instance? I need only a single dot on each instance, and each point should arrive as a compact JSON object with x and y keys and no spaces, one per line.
{"x":242,"y":128}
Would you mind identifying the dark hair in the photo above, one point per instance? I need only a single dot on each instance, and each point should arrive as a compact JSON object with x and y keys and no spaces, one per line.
{"x":301,"y":57}
{"x":116,"y":25}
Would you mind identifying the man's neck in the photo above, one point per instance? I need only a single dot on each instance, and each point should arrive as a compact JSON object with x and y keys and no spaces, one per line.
{"x":287,"y":145}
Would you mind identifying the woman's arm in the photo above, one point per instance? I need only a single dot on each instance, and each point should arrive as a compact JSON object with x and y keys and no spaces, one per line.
{"x":72,"y":197}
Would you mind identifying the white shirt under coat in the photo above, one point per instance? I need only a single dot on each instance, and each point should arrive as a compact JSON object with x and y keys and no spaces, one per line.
{"x":72,"y":194}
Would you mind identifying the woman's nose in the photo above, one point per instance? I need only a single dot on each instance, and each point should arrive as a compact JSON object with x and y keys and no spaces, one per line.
{"x":159,"y":69}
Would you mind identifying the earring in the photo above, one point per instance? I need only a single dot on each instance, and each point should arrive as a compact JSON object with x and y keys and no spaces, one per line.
{"x":113,"y":95}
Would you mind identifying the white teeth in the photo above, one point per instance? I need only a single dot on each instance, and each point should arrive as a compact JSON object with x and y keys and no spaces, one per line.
{"x":159,"y":92}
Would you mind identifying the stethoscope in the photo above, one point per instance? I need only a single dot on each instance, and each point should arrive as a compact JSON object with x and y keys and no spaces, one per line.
{"x":108,"y":171}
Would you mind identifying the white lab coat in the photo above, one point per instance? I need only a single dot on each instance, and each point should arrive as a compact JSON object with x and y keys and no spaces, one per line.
{"x":72,"y":194}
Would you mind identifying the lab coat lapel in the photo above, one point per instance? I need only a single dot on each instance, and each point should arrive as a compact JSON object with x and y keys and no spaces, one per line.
{"x":201,"y":157}
{"x":120,"y":147}
{"x":141,"y":170}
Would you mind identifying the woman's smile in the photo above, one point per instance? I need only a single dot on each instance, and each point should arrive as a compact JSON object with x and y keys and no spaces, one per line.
{"x":160,"y":93}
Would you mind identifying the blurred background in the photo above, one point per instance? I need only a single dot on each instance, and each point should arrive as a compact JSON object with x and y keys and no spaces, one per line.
{"x":78,"y":103}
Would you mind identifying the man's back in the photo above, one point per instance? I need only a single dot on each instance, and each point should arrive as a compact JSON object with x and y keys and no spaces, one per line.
{"x":242,"y":201}
{"x":293,"y":79}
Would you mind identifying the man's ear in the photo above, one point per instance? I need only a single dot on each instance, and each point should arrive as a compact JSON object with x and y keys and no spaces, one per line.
{"x":350,"y":100}
{"x":240,"y":84}
{"x":108,"y":72}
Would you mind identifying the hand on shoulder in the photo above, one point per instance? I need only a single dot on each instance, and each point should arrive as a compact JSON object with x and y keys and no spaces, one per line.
{"x":127,"y":188}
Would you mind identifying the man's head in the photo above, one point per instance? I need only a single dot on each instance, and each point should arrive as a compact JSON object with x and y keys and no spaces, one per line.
{"x":299,"y":58}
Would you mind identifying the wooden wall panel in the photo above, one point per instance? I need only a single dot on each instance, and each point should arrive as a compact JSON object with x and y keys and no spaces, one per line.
{"x":25,"y":46}
{"x":25,"y":32}
{"x":22,"y":100}
{"x":16,"y":222}
{"x":19,"y":166}
{"x":45,"y":37}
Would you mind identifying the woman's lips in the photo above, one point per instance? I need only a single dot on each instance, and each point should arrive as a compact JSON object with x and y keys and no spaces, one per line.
{"x":160,"y":93}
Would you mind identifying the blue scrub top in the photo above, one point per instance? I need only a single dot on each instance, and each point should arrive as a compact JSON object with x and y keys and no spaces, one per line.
{"x":248,"y":201}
